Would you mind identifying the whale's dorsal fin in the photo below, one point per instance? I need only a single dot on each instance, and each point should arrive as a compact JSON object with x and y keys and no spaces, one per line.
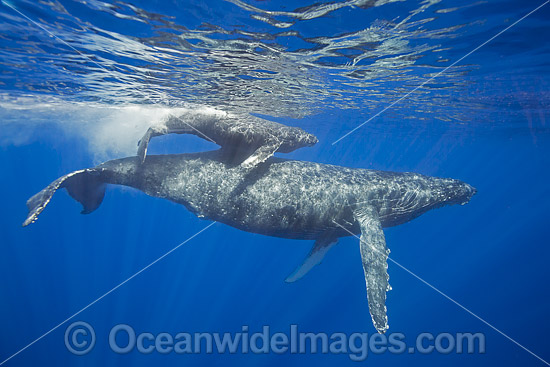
{"x":374,"y":256}
{"x":315,"y":256}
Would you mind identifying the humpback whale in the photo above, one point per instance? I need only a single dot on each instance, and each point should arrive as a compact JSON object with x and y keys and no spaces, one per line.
{"x":282,"y":198}
{"x":246,"y":139}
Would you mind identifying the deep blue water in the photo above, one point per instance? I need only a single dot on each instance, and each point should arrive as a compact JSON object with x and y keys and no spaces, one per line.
{"x":484,"y":121}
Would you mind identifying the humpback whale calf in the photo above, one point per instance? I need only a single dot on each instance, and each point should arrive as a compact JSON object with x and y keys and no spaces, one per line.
{"x":247,"y":139}
{"x":282,"y":198}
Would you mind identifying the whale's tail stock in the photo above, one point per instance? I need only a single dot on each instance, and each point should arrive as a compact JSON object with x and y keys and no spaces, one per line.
{"x":86,"y":186}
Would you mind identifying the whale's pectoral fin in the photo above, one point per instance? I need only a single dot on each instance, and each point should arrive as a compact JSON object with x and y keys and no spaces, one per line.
{"x":262,"y":153}
{"x":315,"y":256}
{"x":176,"y":125}
{"x":86,"y":186}
{"x":143,"y":144}
{"x":374,"y":255}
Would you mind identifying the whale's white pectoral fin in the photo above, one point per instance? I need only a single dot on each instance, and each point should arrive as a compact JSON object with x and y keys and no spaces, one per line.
{"x":143,"y":144}
{"x":261,"y":154}
{"x":150,"y":133}
{"x":374,"y":255}
{"x":315,"y":256}
{"x":176,"y":125}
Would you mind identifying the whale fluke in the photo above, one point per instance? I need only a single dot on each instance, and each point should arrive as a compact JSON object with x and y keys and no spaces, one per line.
{"x":85,"y":186}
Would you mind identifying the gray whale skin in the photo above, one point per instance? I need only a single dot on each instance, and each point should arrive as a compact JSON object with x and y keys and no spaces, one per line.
{"x":282,"y":198}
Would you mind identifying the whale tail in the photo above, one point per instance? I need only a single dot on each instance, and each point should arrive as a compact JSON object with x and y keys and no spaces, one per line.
{"x":85,"y":186}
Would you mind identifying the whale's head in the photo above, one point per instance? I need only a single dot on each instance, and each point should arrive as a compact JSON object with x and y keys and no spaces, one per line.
{"x":458,"y":192}
{"x":310,"y":139}
{"x":305,"y":139}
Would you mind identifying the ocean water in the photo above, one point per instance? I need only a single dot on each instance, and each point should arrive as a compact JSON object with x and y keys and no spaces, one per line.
{"x":80,"y":82}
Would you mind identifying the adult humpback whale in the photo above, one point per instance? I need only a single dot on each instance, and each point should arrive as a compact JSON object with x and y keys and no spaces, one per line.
{"x":283,"y":198}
